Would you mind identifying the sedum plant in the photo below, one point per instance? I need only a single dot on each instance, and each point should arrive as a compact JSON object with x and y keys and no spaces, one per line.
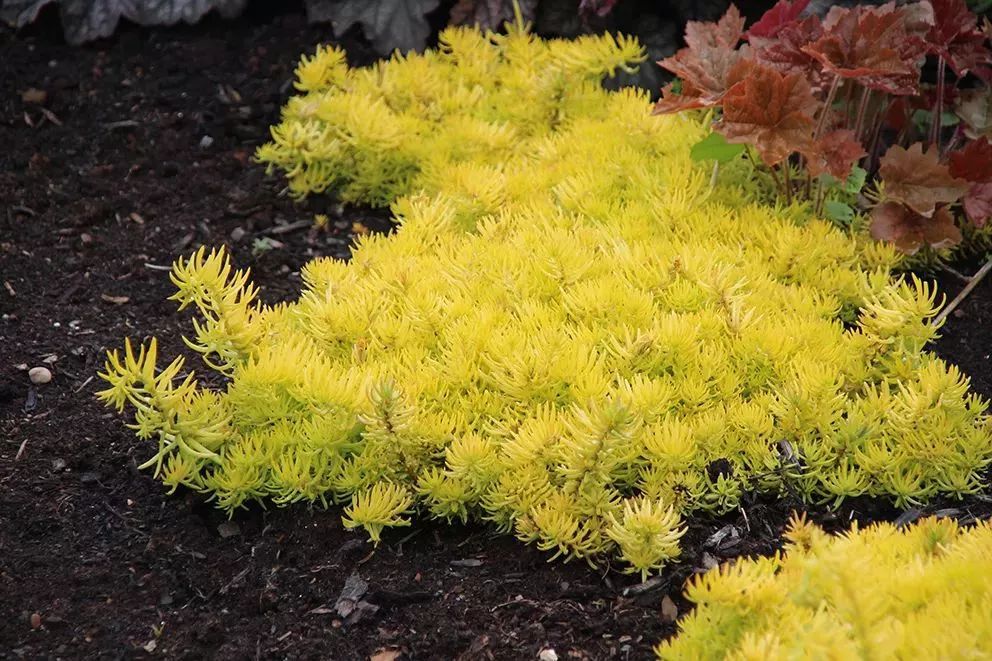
{"x":572,"y":335}
{"x":923,"y":592}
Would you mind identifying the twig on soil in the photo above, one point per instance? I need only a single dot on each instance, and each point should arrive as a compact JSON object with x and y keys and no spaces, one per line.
{"x":513,"y":602}
{"x":52,"y":117}
{"x":649,"y":585}
{"x":231,"y":583}
{"x":84,"y":384}
{"x":123,"y":124}
{"x":956,"y":273}
{"x":20,"y":450}
{"x":290,"y":227}
{"x":157,"y":267}
{"x":20,"y":208}
{"x":972,"y":283}
{"x":243,"y":213}
{"x":127,"y":524}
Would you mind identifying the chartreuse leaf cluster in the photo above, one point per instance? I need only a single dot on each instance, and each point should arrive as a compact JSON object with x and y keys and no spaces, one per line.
{"x":923,"y":592}
{"x":572,"y":335}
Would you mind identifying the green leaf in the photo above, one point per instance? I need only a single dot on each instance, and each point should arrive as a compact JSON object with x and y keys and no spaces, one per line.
{"x":856,"y":180}
{"x":839,"y":212}
{"x":923,"y":118}
{"x":715,"y":148}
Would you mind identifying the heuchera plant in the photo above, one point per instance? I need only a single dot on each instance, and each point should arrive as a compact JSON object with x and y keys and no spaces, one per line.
{"x":826,"y":103}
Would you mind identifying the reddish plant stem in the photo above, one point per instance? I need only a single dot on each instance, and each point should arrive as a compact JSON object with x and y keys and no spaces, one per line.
{"x":821,"y":123}
{"x":876,"y":135}
{"x":859,"y":123}
{"x":831,"y":95}
{"x":778,"y":182}
{"x":788,"y":181}
{"x":848,"y":100}
{"x":938,"y":108}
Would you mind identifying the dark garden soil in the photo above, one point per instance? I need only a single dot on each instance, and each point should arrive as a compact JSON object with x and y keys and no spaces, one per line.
{"x":118,"y":157}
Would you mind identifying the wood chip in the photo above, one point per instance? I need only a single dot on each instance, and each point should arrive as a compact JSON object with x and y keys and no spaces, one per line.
{"x":50,"y":116}
{"x":10,"y":289}
{"x":470,"y":562}
{"x":34,"y":95}
{"x":116,"y":300}
{"x":669,"y":611}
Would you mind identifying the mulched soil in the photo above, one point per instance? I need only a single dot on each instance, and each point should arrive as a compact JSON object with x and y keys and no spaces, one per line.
{"x":141,"y":151}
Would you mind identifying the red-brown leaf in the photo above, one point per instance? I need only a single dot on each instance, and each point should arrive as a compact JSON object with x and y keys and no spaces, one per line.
{"x":871,"y":45}
{"x":910,"y":231}
{"x":974,"y":162}
{"x":489,"y":14}
{"x":705,"y":64}
{"x":725,"y":33}
{"x":918,"y":179}
{"x":978,"y":203}
{"x":956,"y":37}
{"x":687,"y":99}
{"x":783,"y":13}
{"x":785,"y":51}
{"x":601,"y":8}
{"x":834,"y":154}
{"x":897,"y":115}
{"x":768,"y":109}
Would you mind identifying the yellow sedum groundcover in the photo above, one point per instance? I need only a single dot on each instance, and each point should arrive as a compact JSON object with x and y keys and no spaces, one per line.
{"x":575,"y":333}
{"x":880,"y":593}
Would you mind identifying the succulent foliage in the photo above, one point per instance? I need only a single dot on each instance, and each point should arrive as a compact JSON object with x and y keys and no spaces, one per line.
{"x":572,"y":335}
{"x":924,"y":592}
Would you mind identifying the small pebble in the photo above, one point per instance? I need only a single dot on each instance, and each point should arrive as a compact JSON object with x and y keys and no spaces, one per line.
{"x":35,"y":620}
{"x":229,"y":529}
{"x":39,"y":375}
{"x":548,"y":654}
{"x":237,"y":234}
{"x":206,"y":141}
{"x":58,"y":464}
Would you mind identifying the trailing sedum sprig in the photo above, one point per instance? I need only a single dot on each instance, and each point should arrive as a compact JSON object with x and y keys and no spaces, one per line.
{"x":923,"y":592}
{"x":572,"y":334}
